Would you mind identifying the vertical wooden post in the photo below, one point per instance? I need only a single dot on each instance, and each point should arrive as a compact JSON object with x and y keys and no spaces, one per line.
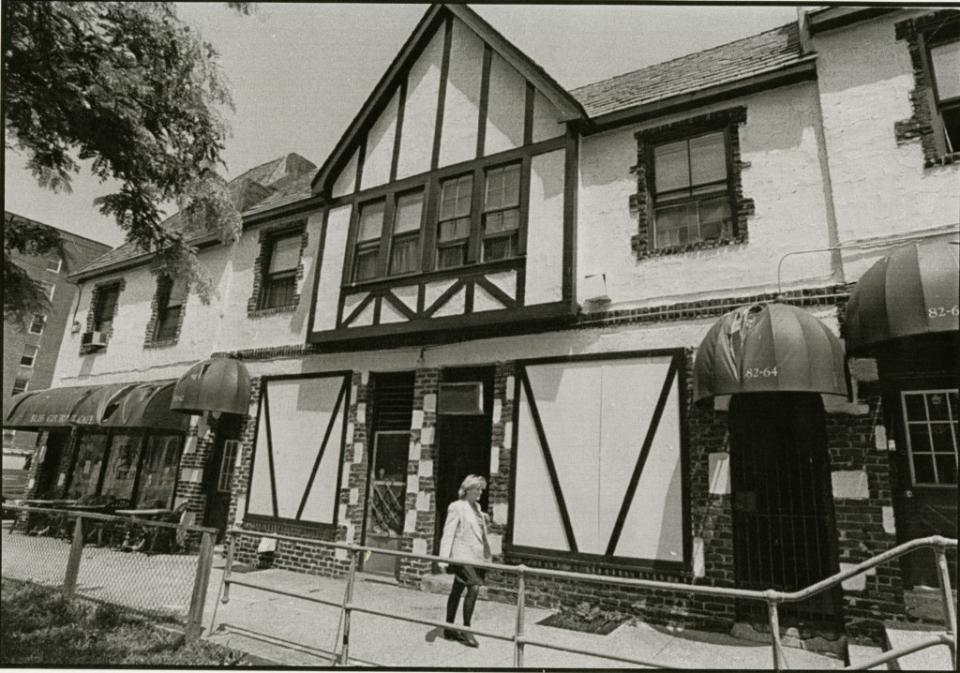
{"x":946,"y":592}
{"x":347,"y":600}
{"x":778,"y":662}
{"x":518,"y":629}
{"x":200,"y":582}
{"x":231,"y":546}
{"x":73,"y":561}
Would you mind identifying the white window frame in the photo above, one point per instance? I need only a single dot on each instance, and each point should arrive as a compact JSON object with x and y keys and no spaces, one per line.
{"x":926,"y":422}
{"x":231,"y":454}
{"x":26,"y":385}
{"x":33,"y":358}
{"x":43,"y":323}
{"x":59,"y":261}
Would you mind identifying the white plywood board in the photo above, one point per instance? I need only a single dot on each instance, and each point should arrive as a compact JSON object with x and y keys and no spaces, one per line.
{"x":261,"y":492}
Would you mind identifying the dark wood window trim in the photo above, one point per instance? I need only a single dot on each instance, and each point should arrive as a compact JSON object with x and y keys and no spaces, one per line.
{"x":159,"y":305}
{"x":921,"y":34}
{"x":95,"y":298}
{"x":255,"y":305}
{"x":642,"y":203}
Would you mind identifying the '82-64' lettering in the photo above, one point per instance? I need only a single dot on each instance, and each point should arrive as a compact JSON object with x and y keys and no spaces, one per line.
{"x":760,"y":372}
{"x":943,"y":311}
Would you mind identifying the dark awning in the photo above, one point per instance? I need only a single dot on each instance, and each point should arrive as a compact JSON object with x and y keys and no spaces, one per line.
{"x":911,"y":291}
{"x":220,"y":384}
{"x":769,"y":348}
{"x":147,"y":405}
{"x":58,"y":407}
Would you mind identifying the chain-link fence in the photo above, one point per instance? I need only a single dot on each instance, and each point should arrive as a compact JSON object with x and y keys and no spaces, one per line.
{"x":135,"y":563}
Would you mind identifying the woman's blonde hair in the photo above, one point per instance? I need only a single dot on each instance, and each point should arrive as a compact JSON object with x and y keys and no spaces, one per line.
{"x":471,"y":481}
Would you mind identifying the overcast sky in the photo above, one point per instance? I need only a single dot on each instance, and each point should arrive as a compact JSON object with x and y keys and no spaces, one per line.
{"x":301,"y":71}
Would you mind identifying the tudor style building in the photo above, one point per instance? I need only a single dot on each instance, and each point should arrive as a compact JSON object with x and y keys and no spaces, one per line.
{"x":499,"y":276}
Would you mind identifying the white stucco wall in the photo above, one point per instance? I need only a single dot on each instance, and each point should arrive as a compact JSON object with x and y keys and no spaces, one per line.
{"x":544,"y":282}
{"x":881,"y":189}
{"x":546,"y":119}
{"x":782,"y":175}
{"x":461,"y":108}
{"x":420,"y":110}
{"x":331,"y":270}
{"x":504,"y":130}
{"x":380,"y":140}
{"x":346,"y":182}
{"x":221,"y":325}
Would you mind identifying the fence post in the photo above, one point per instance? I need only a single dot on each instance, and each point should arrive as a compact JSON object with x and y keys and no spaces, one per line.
{"x":778,"y":661}
{"x":949,"y":610}
{"x":200,"y":582}
{"x":73,"y":561}
{"x":347,"y":599}
{"x":231,"y":546}
{"x":518,"y":629}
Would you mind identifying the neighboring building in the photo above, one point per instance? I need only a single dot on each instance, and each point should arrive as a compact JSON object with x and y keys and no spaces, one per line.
{"x":30,"y":355}
{"x":493,"y":275}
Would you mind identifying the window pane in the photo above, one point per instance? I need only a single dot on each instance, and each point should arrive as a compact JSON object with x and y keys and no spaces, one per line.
{"x":708,"y":159}
{"x":168,"y":320}
{"x":715,"y":219}
{"x":947,"y":469}
{"x":285,"y":255}
{"x":29,"y":355}
{"x":371,"y":221}
{"x":19,"y":385}
{"x":37,"y":324}
{"x":916,"y":410}
{"x":366,"y":264}
{"x":937,"y":406}
{"x":503,"y":187}
{"x":942,"y":437}
{"x":923,"y":469}
{"x":121,"y":468}
{"x":919,"y":438}
{"x":946,"y":68}
{"x":504,"y":220}
{"x":951,"y":127}
{"x":229,"y":459}
{"x":53,"y":264}
{"x":158,"y":476}
{"x":494,"y":195}
{"x":954,"y":404}
{"x":106,"y":307}
{"x":455,"y":197}
{"x":675,"y":225}
{"x":409,"y":208}
{"x":452,"y":230}
{"x":451,"y":256}
{"x":86,"y":471}
{"x":498,"y":248}
{"x":670,"y":166}
{"x":405,"y":256}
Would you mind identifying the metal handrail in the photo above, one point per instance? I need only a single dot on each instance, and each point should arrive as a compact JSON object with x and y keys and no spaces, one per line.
{"x":771,"y":597}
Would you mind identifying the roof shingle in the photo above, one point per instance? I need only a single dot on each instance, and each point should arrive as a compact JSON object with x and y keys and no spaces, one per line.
{"x":728,"y":62}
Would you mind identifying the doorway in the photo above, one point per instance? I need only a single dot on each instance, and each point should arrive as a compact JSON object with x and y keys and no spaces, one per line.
{"x":783,"y":522}
{"x":464,"y":426}
{"x":50,"y":462}
{"x":218,"y":473}
{"x":387,"y":478}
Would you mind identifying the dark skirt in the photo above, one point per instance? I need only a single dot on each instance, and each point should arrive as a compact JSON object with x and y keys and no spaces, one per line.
{"x":472,"y":577}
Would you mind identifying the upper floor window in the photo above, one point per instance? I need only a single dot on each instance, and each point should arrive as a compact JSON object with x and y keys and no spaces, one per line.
{"x":38,"y":323}
{"x":19,"y":385}
{"x":366,"y":260}
{"x":501,"y":212}
{"x":54,"y":264}
{"x":453,"y":221}
{"x":280,"y":280}
{"x":405,"y":245}
{"x":945,"y":76}
{"x":29,"y":357}
{"x":171,"y":298}
{"x":691,"y":191}
{"x":48,"y":289}
{"x":105,"y":308}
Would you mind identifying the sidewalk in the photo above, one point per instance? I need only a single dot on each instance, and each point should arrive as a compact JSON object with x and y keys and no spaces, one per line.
{"x":253,"y":619}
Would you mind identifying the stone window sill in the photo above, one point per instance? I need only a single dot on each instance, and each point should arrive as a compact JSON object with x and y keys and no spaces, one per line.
{"x":645,"y":253}
{"x":92,"y":350}
{"x":161,"y":343}
{"x":273,"y":310}
{"x":945,"y":160}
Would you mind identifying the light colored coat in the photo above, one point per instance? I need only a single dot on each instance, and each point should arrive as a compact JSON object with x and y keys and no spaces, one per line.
{"x":464,"y":534}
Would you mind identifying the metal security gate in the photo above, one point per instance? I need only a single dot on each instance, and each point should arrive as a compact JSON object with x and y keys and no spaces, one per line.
{"x":783,"y":523}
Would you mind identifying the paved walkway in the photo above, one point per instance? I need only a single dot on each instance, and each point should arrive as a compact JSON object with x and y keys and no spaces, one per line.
{"x":254,"y":620}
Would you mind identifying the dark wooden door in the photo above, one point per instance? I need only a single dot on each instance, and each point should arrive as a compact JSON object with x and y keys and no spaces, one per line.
{"x":50,"y":466}
{"x":218,"y":473}
{"x":463,"y":438}
{"x":926,"y":419}
{"x":783,"y":521}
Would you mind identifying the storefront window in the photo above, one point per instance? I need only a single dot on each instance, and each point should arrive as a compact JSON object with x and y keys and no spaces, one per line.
{"x":86,"y":469}
{"x":932,"y":430}
{"x":121,"y":470}
{"x":158,"y":476}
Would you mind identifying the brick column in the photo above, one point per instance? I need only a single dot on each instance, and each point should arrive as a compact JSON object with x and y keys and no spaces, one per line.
{"x":420,"y":519}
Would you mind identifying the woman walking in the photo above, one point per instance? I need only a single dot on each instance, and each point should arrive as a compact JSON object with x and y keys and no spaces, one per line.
{"x":465,"y":538}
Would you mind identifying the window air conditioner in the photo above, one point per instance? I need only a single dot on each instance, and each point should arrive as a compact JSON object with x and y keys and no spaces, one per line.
{"x":93,"y":340}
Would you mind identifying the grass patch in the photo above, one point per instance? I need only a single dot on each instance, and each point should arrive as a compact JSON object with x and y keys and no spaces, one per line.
{"x":39,"y":627}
